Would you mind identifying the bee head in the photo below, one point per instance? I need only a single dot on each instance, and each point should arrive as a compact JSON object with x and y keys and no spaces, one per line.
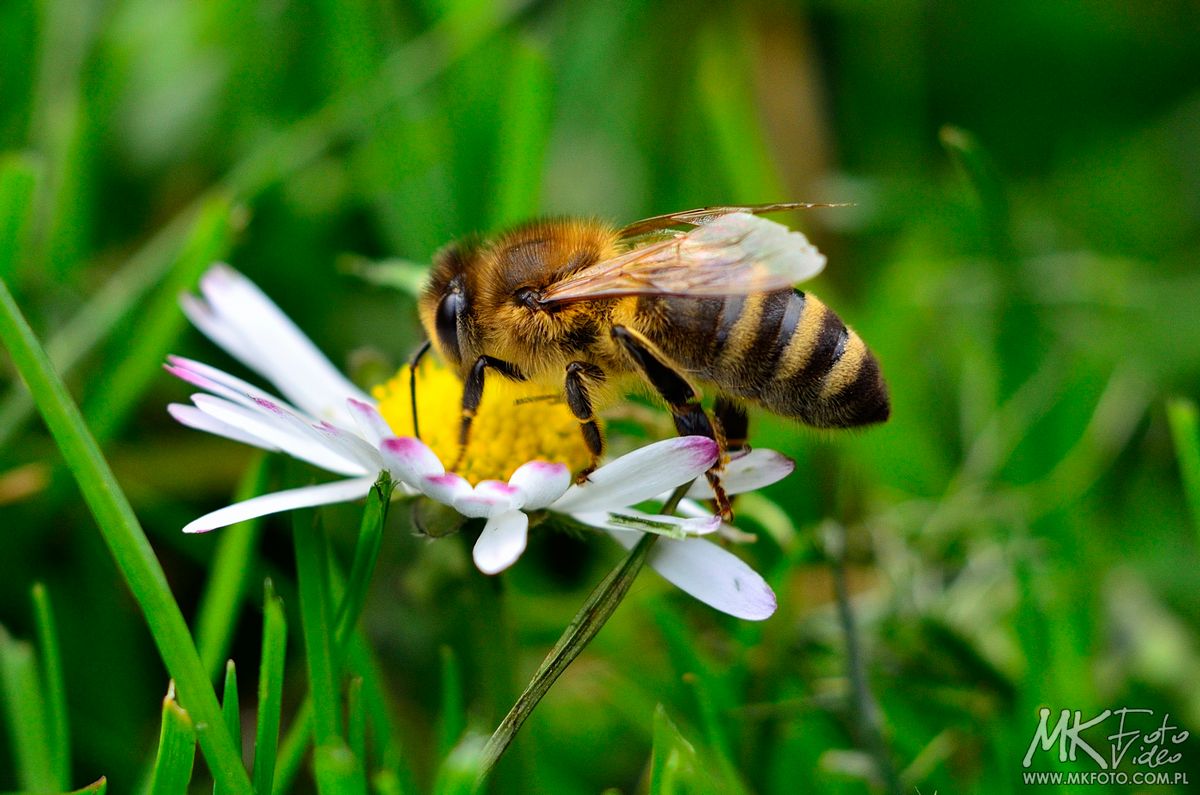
{"x":446,"y":304}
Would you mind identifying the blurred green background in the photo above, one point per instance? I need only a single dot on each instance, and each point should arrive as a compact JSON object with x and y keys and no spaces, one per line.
{"x":1021,"y":254}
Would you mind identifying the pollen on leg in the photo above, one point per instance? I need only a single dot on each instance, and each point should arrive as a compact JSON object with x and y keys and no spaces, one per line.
{"x":508,"y":430}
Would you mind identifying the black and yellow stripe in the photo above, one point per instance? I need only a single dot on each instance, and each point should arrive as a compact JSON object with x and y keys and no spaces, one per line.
{"x":784,"y":350}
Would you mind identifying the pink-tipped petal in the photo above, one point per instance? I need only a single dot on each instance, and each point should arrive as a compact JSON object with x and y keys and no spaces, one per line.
{"x":370,"y":422}
{"x":758,"y":468}
{"x":705,"y":571}
{"x":305,"y":497}
{"x":410,"y":460}
{"x":193,"y":417}
{"x":490,"y":498}
{"x":267,"y":340}
{"x":501,"y":542}
{"x":641,"y":475}
{"x":447,"y":488}
{"x":277,"y":426}
{"x":541,"y":483}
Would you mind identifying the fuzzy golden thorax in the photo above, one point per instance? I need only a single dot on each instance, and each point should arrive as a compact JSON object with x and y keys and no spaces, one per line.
{"x":494,"y":286}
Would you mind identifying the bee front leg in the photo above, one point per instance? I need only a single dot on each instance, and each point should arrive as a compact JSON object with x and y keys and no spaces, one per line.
{"x":473,"y":394}
{"x":681,"y":397}
{"x":580,"y":401}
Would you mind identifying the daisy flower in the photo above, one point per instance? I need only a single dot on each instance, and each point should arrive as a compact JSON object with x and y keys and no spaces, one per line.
{"x":519,"y":462}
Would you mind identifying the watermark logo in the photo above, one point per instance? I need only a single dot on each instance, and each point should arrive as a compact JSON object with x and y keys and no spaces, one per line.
{"x":1126,"y":746}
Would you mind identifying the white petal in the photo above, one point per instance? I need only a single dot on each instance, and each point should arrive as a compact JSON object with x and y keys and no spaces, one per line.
{"x":447,"y":488}
{"x":727,"y":531}
{"x":195,"y":418}
{"x":671,"y":526}
{"x":501,"y":542}
{"x":272,"y":425}
{"x":215,"y":329}
{"x":370,"y":422}
{"x":642,"y":474}
{"x":219,"y":382}
{"x":304,"y":497}
{"x":760,"y":467}
{"x":410,"y":460}
{"x":541,"y":482}
{"x":707,"y":572}
{"x":268,"y":341}
{"x":489,"y":498}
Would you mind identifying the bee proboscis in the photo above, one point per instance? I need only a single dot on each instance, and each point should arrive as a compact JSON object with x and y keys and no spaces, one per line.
{"x":584,"y":307}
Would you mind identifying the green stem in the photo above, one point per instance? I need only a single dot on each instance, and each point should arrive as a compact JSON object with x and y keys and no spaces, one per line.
{"x":126,"y":542}
{"x":598,"y":608}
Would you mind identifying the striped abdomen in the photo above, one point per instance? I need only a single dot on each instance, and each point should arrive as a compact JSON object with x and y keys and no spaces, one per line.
{"x":784,"y":350}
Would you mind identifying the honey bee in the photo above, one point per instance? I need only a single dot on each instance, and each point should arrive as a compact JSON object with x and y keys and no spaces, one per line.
{"x":677,"y":301}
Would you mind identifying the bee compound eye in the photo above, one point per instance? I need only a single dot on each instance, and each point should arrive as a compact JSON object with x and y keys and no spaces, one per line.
{"x":529,"y":298}
{"x":448,"y":311}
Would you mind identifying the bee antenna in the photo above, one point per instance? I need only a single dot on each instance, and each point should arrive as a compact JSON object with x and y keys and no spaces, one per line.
{"x":412,"y":383}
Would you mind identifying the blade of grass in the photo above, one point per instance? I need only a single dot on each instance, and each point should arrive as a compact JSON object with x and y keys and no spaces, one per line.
{"x":291,"y":752}
{"x":337,"y":770}
{"x":522,"y":137}
{"x":26,"y":715}
{"x":270,"y":689}
{"x":231,"y":710}
{"x":356,"y":721}
{"x":117,"y":391}
{"x":463,"y":768}
{"x":402,"y":76}
{"x":312,"y":574}
{"x":176,"y":749}
{"x":18,"y":179}
{"x":1185,"y":431}
{"x":54,"y":686}
{"x":673,"y":764}
{"x":453,"y":720}
{"x":366,"y":553}
{"x":232,"y":567}
{"x":596,"y":610}
{"x":980,"y":172}
{"x":125,"y":539}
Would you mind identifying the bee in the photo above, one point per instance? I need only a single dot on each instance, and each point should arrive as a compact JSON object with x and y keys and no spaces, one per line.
{"x":678,"y":301}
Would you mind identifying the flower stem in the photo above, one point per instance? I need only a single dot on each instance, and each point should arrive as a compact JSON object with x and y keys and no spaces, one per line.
{"x":598,"y":608}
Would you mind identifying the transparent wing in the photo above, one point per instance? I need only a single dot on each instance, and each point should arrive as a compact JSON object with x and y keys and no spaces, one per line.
{"x":736,"y":253}
{"x":705,"y":215}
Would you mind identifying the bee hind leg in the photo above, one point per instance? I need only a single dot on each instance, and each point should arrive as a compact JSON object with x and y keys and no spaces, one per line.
{"x":579,"y":374}
{"x":733,"y":423}
{"x":683,"y":400}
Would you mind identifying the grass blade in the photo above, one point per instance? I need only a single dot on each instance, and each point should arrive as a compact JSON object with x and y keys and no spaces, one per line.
{"x":337,"y":771}
{"x":453,"y":712}
{"x":159,"y":323}
{"x":231,"y":709}
{"x":26,"y":714}
{"x":125,"y":539}
{"x":270,"y":689}
{"x":312,"y":572}
{"x":1185,"y":430}
{"x":524,"y":131}
{"x":596,"y":610}
{"x":291,"y":752}
{"x":231,"y":569}
{"x":356,"y":720}
{"x":176,"y":749}
{"x":366,"y":553}
{"x":673,"y":764}
{"x":54,"y":686}
{"x":18,"y":179}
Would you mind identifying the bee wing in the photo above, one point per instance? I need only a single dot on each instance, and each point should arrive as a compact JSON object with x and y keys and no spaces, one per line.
{"x":705,"y":215}
{"x":736,"y":253}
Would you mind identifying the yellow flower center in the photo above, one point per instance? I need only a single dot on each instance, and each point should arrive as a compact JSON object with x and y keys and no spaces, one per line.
{"x":516,"y":422}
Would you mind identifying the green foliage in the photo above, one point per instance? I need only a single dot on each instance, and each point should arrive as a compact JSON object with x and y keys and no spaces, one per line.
{"x":1020,"y":254}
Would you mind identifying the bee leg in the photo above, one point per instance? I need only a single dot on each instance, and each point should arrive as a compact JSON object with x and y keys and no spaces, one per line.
{"x":580,"y":401}
{"x":473,"y":394}
{"x":733,"y":422}
{"x":683,"y":400}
